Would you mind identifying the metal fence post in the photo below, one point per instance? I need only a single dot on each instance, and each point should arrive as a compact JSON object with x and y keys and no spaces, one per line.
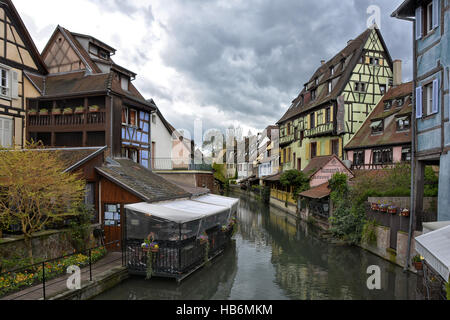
{"x":43,"y":278}
{"x":90,"y":265}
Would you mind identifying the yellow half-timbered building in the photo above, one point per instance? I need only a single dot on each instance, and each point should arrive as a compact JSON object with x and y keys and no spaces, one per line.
{"x":336,"y":101}
{"x":18,"y":56}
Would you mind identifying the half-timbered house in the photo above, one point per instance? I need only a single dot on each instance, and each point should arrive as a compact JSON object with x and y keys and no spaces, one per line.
{"x":18,"y":55}
{"x":336,"y":101}
{"x":88,"y":100}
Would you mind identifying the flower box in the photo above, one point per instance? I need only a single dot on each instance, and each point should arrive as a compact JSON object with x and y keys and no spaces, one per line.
{"x":384,"y":208}
{"x":43,"y":112}
{"x":68,"y":111}
{"x":392,"y":210}
{"x":56,"y":111}
{"x":79,"y":110}
{"x":375,"y":207}
{"x":94,"y":109}
{"x":32,"y":112}
{"x":405,"y":213}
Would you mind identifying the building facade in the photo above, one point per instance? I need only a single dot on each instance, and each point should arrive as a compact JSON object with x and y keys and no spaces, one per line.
{"x":336,"y":101}
{"x":431,"y":21}
{"x":385,"y":138}
{"x":18,"y":56}
{"x":87,"y":100}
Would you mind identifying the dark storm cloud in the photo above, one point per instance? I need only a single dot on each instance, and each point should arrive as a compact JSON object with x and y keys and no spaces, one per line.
{"x":251,"y":58}
{"x":126,"y":7}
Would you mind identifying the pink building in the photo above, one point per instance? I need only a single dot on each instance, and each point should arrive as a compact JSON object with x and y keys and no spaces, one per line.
{"x":385,"y":137}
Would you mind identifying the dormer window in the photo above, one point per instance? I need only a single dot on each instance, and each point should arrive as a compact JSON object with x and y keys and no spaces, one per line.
{"x":400,"y":102}
{"x":313,"y":94}
{"x":377,"y":127}
{"x":403,"y":123}
{"x":316,"y":81}
{"x":103,"y":54}
{"x":387,"y":105}
{"x":332,"y":71}
{"x":330,"y":86}
{"x":124,"y":83}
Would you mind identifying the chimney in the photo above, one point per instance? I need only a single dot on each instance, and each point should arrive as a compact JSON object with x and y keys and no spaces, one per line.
{"x":322,"y":62}
{"x":397,"y":73}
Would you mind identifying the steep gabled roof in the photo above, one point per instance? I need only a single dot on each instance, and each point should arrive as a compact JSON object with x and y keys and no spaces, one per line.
{"x":23,"y":31}
{"x":343,"y":65}
{"x":318,"y":163}
{"x":364,"y":137}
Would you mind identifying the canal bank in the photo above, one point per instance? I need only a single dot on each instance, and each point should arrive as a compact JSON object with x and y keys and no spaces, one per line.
{"x":381,"y":247}
{"x":275,"y":257}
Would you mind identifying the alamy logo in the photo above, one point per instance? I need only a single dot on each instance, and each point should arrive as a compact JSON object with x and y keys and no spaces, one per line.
{"x":374,"y":13}
{"x":374,"y":281}
{"x":74,"y":281}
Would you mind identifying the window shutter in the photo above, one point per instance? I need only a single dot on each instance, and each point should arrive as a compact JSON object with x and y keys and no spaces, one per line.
{"x":419,"y":102}
{"x":308,"y":151}
{"x":436,"y":13}
{"x":319,"y":153}
{"x":418,"y":23}
{"x":435,"y":96}
{"x":332,"y":114}
{"x":14,"y":84}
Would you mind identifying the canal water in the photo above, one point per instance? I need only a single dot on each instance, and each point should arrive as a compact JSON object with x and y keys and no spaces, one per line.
{"x":273,"y":257}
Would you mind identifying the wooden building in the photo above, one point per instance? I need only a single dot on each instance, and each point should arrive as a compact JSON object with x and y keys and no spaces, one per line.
{"x":88,"y":100}
{"x":336,"y":101}
{"x":18,"y":55}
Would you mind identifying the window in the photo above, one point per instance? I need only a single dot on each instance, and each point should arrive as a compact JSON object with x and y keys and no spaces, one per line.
{"x":6,"y":128}
{"x":103,"y":54}
{"x":328,"y":115}
{"x":332,"y":71}
{"x":316,"y":81}
{"x":124,"y":82}
{"x":313,"y":149}
{"x":377,"y":127}
{"x":383,"y":89}
{"x":406,"y":154}
{"x":428,"y":99}
{"x":403,"y":124}
{"x":312,"y":118}
{"x":129,"y":117}
{"x":382,"y":156}
{"x":4,"y":82}
{"x":429,"y":17}
{"x":313,"y":94}
{"x":374,"y":61}
{"x":387,"y":105}
{"x":154,"y":118}
{"x":360,"y":87}
{"x":335,"y":147}
{"x":130,"y":153}
{"x":358,"y":158}
{"x":330,"y":86}
{"x":400,"y":102}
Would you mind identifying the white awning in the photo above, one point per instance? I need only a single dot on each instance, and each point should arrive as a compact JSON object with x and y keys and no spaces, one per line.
{"x":183,"y":211}
{"x":435,"y":248}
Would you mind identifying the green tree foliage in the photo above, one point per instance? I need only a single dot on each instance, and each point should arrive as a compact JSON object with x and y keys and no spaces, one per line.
{"x":35,"y":192}
{"x":219,"y":172}
{"x":296,"y":179}
{"x":80,"y":227}
{"x":349,"y":216}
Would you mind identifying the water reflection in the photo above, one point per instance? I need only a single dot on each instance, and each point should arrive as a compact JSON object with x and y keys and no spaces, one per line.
{"x":275,"y":257}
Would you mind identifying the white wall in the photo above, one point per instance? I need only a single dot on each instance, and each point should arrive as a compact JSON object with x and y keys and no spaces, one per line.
{"x":163,"y":144}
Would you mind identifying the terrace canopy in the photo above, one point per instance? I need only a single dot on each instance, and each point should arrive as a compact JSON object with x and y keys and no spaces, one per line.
{"x":180,"y":219}
{"x":435,"y":248}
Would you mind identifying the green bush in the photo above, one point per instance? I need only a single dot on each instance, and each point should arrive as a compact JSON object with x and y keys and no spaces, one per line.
{"x":296,"y":179}
{"x":80,"y":227}
{"x":369,"y":234}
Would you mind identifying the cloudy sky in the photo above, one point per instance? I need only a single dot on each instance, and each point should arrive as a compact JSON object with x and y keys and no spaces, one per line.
{"x":225,"y":62}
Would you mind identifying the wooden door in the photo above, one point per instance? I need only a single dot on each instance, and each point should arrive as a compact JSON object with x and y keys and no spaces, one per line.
{"x":112,"y":221}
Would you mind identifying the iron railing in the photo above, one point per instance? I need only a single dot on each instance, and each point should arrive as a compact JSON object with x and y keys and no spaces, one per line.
{"x":34,"y":268}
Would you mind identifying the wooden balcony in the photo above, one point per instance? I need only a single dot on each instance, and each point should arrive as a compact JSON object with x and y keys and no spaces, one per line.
{"x":287,"y":139}
{"x":322,"y":129}
{"x":39,"y":122}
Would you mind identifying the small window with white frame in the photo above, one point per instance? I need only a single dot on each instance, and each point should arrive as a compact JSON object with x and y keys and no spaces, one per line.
{"x":4,"y":82}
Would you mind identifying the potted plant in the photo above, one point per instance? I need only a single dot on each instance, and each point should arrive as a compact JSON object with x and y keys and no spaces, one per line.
{"x":79,"y":110}
{"x":94,"y":108}
{"x":418,"y":264}
{"x":405,"y":213}
{"x":384,"y":208}
{"x":203,"y":238}
{"x":150,"y":246}
{"x":32,"y":112}
{"x":392,"y":210}
{"x":56,"y":111}
{"x":375,"y":207}
{"x":68,"y":111}
{"x":43,"y":112}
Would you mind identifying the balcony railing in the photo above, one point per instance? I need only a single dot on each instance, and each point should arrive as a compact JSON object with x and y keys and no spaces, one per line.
{"x":75,"y":119}
{"x":287,"y":139}
{"x":319,"y":130}
{"x":169,"y":164}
